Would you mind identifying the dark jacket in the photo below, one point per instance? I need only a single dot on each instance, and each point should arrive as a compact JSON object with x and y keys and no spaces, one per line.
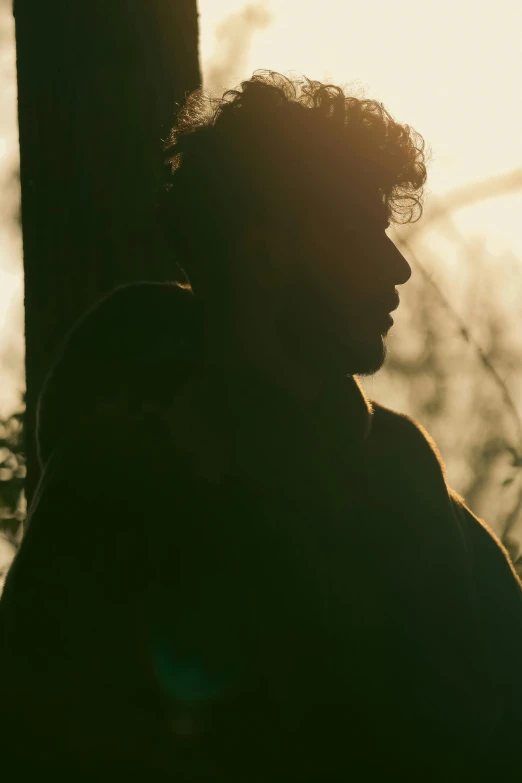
{"x":328,"y":610}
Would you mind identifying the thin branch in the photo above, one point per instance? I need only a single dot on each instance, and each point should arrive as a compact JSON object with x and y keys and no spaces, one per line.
{"x":470,"y":339}
{"x":473,"y":193}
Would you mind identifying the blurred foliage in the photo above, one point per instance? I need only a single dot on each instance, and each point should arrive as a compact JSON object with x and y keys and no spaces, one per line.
{"x":454,"y":365}
{"x":12,"y":475}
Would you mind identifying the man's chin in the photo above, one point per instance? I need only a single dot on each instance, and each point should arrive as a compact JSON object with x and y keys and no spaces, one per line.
{"x":331,"y":357}
{"x":364,"y":358}
{"x":367,"y":358}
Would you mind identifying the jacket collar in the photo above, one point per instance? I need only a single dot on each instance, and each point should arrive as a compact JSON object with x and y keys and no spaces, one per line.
{"x":273,"y":439}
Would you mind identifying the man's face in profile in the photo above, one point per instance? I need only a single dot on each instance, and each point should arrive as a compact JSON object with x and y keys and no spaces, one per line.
{"x":335,"y":309}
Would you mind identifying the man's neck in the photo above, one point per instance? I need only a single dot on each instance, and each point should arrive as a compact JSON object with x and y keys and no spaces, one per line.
{"x":252,"y":343}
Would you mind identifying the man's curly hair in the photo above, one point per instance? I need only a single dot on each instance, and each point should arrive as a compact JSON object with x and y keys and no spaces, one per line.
{"x":275,"y":146}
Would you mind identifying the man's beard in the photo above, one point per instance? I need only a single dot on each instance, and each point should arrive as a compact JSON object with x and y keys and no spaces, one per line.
{"x":329,"y":358}
{"x":311,"y":336}
{"x":367,"y":357}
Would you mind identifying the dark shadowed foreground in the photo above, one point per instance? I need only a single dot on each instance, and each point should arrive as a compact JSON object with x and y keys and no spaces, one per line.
{"x":310,"y":602}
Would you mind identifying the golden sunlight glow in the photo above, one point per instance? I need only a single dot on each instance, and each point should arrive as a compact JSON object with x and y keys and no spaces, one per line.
{"x":451,"y":70}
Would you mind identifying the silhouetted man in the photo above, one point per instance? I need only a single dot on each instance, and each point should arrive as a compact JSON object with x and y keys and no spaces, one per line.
{"x":269,"y":578}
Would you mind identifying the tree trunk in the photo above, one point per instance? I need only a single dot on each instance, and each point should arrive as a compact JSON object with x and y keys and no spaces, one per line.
{"x":98,"y":87}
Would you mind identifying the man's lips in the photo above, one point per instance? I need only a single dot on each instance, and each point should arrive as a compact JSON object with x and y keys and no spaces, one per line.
{"x":391,"y":303}
{"x":383,"y":307}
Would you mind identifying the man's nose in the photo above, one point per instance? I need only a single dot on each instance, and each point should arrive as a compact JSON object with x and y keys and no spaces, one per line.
{"x":399,"y":267}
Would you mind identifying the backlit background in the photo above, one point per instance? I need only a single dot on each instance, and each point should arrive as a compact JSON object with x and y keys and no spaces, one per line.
{"x":453,"y":71}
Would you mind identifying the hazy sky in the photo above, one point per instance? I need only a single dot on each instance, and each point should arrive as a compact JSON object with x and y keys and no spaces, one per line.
{"x":450,"y":68}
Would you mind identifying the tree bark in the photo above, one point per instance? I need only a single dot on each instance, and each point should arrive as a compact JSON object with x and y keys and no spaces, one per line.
{"x":98,"y":87}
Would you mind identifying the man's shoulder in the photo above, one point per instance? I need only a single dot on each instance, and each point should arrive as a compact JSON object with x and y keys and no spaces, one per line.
{"x":397,"y":435}
{"x":125,"y":357}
